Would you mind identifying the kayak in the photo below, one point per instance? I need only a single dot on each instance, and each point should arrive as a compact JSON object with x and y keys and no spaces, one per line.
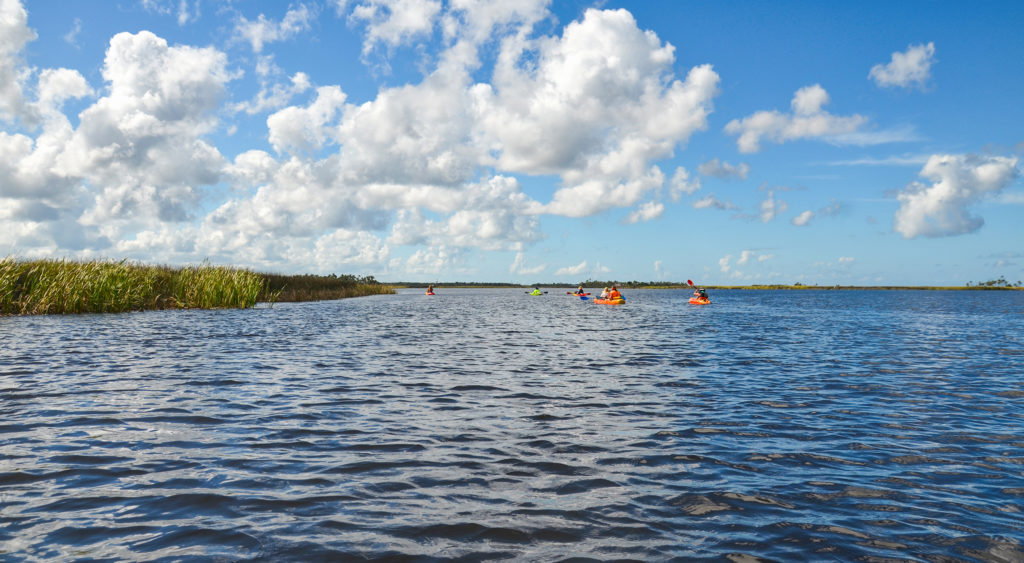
{"x":536,"y":293}
{"x":699,"y":301}
{"x":619,"y":301}
{"x":430,"y":293}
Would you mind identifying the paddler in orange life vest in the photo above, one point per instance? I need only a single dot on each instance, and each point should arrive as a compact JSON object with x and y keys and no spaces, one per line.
{"x":700,"y":294}
{"x":614,"y":293}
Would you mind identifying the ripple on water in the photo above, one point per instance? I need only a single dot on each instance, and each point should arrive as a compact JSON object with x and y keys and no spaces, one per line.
{"x":486,"y":424}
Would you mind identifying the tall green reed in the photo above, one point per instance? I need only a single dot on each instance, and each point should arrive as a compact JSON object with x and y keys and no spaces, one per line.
{"x":61,"y":286}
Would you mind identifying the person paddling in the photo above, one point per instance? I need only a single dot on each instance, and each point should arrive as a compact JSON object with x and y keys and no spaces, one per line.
{"x":701,"y":294}
{"x":604,"y":293}
{"x":614,"y":293}
{"x":579,"y":290}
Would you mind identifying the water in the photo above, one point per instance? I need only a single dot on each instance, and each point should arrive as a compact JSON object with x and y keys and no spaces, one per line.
{"x":488,"y":424}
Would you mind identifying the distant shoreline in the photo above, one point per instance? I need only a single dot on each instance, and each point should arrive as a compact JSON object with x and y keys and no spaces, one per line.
{"x":470,"y":285}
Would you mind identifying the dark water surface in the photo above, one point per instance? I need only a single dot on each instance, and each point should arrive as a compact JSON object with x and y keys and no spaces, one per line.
{"x":488,"y":424}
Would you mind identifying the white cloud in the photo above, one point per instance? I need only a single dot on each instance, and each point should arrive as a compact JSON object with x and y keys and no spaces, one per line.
{"x":907,"y":69}
{"x":845,"y":259}
{"x":808,"y":121}
{"x":710,"y":201}
{"x":958,"y":181}
{"x":184,"y":15}
{"x":724,"y":170}
{"x":263,"y":30}
{"x":576,"y":270}
{"x":142,"y":143}
{"x":723,"y":264}
{"x":765,"y":257}
{"x":519,"y":266}
{"x":901,"y":160}
{"x":433,"y":260}
{"x":306,"y":129}
{"x":394,"y":22}
{"x":645,"y":212}
{"x":71,"y":37}
{"x":595,"y":108}
{"x":803,"y":219}
{"x":745,"y":257}
{"x":346,"y":247}
{"x":14,"y":35}
{"x":682,"y":184}
{"x":771,"y":208}
{"x":273,"y":96}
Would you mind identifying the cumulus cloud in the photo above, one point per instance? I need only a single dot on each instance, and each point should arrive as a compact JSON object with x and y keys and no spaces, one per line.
{"x":682,"y":184}
{"x":14,"y":35}
{"x":771,"y":208}
{"x":306,"y":129}
{"x":519,"y":266}
{"x":576,"y":270}
{"x":711,"y":202}
{"x":273,"y":95}
{"x":595,"y":108}
{"x":724,"y":170}
{"x":807,"y":121}
{"x":143,"y":142}
{"x":803,"y":219}
{"x":263,"y":30}
{"x":957,"y":181}
{"x":645,"y":212}
{"x":394,"y":22}
{"x":429,"y":164}
{"x":907,"y":69}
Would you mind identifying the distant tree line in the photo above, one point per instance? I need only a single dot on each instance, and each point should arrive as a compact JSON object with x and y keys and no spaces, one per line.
{"x":1001,"y":282}
{"x":309,"y":287}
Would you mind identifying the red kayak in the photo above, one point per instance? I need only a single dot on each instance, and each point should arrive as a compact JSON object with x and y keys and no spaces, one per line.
{"x":700,"y":301}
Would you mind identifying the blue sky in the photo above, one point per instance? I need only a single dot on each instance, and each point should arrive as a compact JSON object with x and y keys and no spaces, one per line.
{"x":725,"y":142}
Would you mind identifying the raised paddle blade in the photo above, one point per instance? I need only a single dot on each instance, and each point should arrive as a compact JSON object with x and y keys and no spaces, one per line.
{"x":690,"y":282}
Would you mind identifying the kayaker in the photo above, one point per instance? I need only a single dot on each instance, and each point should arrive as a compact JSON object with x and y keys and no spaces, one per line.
{"x":614,"y":293}
{"x":579,"y":290}
{"x":536,"y":291}
{"x":430,"y":289}
{"x":700,"y":294}
{"x":604,"y":293}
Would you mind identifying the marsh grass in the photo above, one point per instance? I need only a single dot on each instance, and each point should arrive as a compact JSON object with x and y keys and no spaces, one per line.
{"x":67,"y":287}
{"x":41,"y":287}
{"x":322,"y":288}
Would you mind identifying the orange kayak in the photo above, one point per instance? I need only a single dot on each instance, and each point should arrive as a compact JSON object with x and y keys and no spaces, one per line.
{"x":619,"y":301}
{"x":699,"y":301}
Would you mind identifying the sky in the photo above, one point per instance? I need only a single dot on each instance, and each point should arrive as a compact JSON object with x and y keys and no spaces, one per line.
{"x":525,"y":141}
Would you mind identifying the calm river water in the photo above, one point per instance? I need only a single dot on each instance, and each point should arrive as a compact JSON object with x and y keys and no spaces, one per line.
{"x":488,"y":424}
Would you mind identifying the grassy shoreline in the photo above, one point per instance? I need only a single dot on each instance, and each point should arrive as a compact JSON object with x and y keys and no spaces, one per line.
{"x":41,"y":287}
